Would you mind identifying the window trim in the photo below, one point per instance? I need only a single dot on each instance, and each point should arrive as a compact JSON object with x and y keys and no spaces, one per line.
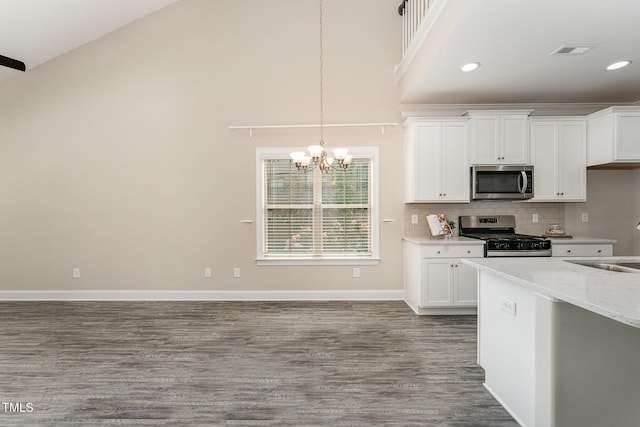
{"x":266,"y":153}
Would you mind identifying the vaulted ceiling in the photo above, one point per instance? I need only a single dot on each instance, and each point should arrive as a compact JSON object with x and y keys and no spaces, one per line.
{"x":35,"y":31}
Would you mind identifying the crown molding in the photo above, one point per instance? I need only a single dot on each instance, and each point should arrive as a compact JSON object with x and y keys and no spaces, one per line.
{"x":539,"y":109}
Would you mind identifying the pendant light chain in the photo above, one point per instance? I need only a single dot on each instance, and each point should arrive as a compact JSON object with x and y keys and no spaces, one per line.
{"x":318,"y":157}
{"x":321,"y":81}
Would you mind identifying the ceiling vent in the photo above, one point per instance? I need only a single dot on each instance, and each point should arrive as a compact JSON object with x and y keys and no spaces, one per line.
{"x":573,"y":49}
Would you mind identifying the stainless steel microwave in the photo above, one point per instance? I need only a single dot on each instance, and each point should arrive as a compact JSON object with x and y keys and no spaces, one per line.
{"x":501,"y":182}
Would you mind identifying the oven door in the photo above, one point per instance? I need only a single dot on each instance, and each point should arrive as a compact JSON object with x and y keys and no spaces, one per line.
{"x":502,"y":182}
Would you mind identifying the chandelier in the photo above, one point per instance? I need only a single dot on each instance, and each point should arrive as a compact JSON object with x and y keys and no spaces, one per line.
{"x":317,"y":154}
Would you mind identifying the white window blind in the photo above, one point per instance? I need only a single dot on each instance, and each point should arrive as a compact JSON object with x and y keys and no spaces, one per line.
{"x":317,"y":215}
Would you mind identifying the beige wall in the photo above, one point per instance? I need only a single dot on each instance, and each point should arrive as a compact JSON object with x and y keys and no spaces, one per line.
{"x":117,"y":159}
{"x":613,"y":205}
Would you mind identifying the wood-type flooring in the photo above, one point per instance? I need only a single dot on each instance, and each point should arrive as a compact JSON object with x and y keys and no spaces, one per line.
{"x":204,"y":363}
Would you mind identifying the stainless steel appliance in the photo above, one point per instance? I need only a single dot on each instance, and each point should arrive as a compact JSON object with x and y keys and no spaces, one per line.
{"x":501,"y":240}
{"x":501,"y":182}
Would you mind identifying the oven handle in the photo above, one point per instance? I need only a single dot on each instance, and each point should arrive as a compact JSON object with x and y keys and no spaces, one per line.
{"x":523,"y":253}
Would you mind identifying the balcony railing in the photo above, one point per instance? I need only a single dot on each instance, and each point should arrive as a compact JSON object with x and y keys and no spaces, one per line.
{"x":413,"y":15}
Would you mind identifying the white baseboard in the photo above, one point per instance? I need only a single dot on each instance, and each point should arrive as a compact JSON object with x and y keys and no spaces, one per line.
{"x":374,"y":295}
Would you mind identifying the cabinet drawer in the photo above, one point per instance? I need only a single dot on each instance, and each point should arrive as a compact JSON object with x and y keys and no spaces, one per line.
{"x":452,"y":251}
{"x":581,"y":250}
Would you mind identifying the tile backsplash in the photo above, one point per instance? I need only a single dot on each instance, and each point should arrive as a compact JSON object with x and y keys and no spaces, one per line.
{"x":548,"y":213}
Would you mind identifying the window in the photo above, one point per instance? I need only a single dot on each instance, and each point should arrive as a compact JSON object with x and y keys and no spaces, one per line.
{"x":315,"y":217}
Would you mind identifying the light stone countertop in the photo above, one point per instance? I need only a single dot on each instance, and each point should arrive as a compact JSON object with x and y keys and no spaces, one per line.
{"x":612,"y":294}
{"x":423,"y":239}
{"x":579,"y":240}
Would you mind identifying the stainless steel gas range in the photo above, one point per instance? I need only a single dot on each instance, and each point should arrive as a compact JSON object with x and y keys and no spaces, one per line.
{"x":498,"y":231}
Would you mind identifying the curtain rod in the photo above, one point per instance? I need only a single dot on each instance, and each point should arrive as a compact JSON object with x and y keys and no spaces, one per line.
{"x":330,"y":125}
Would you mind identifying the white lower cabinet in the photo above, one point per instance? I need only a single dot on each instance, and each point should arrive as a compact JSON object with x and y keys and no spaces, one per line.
{"x":437,"y":282}
{"x":448,"y":283}
{"x":581,"y":250}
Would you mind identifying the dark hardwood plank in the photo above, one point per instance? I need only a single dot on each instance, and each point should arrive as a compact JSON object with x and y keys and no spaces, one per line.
{"x":240,"y":363}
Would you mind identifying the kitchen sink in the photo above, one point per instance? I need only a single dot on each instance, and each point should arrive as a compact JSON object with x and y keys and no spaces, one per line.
{"x":635,"y":265}
{"x":622,"y":267}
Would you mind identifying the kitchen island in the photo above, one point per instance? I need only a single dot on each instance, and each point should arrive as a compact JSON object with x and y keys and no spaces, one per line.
{"x":559,"y":341}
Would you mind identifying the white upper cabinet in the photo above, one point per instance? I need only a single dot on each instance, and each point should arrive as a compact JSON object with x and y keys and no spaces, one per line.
{"x":436,"y":160}
{"x":499,"y":137}
{"x":558,"y":155}
{"x":613,"y":136}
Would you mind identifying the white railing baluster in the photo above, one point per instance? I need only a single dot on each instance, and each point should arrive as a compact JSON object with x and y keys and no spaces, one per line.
{"x":415,"y":12}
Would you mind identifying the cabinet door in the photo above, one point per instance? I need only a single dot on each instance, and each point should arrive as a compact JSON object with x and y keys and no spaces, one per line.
{"x":427,"y":162}
{"x":465,"y":286}
{"x":627,"y":147}
{"x":572,"y":161}
{"x":437,"y":283}
{"x":484,"y":140}
{"x":514,"y":140}
{"x":455,"y":162}
{"x":544,"y":159}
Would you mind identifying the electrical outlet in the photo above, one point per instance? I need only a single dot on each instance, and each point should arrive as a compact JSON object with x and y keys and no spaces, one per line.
{"x":207,"y":273}
{"x":356,"y":272}
{"x":414,"y":219}
{"x":76,"y":273}
{"x":508,"y":306}
{"x":236,"y":272}
{"x":534,"y":218}
{"x":585,"y":217}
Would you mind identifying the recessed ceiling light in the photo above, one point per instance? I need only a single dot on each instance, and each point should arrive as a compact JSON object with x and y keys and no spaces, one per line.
{"x":618,"y":65}
{"x":471,"y":66}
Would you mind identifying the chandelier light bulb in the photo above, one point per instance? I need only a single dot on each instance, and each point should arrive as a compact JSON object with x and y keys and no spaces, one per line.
{"x":315,"y":150}
{"x":297,"y":156}
{"x":340,"y":153}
